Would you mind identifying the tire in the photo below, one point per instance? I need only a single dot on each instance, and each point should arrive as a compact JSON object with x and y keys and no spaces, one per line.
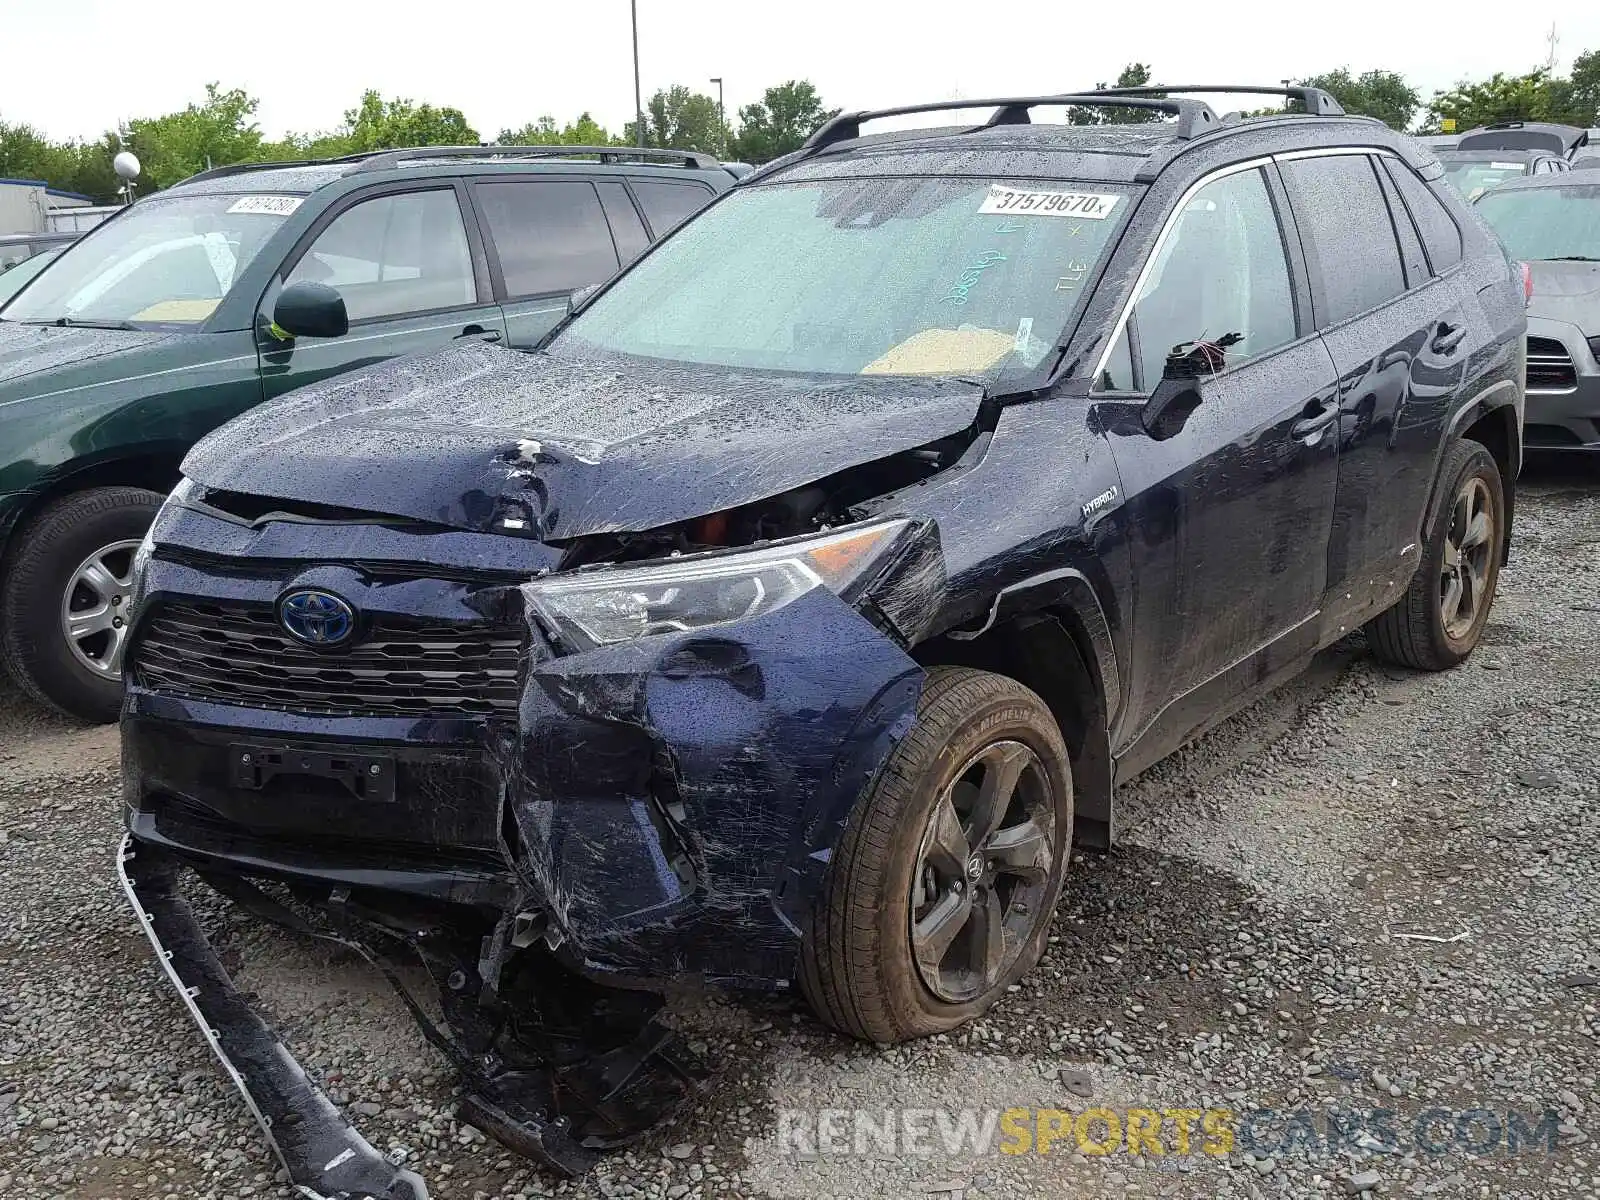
{"x":1415,"y":632}
{"x":34,"y":599}
{"x":858,"y":968}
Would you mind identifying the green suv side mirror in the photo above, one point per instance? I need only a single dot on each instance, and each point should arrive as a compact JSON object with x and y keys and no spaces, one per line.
{"x":310,"y":309}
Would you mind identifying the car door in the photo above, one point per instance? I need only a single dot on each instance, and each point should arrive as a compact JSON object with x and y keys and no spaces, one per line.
{"x":1399,"y":336}
{"x":1229,"y":509}
{"x":548,"y":236}
{"x":410,"y":267}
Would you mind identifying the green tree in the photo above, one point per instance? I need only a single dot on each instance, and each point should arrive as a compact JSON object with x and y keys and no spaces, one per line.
{"x":779,"y":122}
{"x":679,"y":119}
{"x":1133,"y":75}
{"x":585,"y":131}
{"x":1575,"y":100}
{"x":379,"y":124}
{"x":1382,"y":94}
{"x":215,"y":133}
{"x":83,"y":167}
{"x":1501,"y":97}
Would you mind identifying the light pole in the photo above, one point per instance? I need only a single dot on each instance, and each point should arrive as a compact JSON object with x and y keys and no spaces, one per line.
{"x":638,"y":96}
{"x":722,"y":119}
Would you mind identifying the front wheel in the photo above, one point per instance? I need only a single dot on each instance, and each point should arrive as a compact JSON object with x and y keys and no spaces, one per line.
{"x":65,"y":602}
{"x":941,"y":890}
{"x":1440,"y":619}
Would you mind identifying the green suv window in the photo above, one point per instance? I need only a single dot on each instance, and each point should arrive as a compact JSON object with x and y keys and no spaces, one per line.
{"x":164,"y":261}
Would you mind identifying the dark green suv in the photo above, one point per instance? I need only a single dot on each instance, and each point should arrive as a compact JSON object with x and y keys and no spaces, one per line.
{"x":234,"y":287}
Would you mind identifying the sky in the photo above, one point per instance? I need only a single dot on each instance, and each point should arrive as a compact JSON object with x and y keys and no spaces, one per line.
{"x":76,"y":70}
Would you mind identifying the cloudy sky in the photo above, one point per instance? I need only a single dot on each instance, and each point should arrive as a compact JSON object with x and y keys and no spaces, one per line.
{"x":75,"y":69}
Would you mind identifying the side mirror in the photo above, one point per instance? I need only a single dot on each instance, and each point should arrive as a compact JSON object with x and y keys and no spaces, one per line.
{"x":310,"y":309}
{"x":1170,"y":406}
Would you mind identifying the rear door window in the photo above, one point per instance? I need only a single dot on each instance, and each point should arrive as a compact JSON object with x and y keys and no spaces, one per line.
{"x":394,"y":254}
{"x":1440,"y":234}
{"x":1348,"y":235}
{"x":627,"y":230}
{"x":550,"y":234}
{"x":669,"y":205}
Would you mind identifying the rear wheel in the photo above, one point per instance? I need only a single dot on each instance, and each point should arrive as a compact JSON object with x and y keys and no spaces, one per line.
{"x":1440,"y":619}
{"x":942,"y":889}
{"x":65,"y":602}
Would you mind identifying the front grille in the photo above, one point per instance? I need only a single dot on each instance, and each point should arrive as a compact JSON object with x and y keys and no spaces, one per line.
{"x":239,"y":654}
{"x":1550,"y":367}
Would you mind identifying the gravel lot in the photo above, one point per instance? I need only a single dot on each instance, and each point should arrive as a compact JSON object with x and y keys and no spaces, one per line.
{"x":1243,"y":949}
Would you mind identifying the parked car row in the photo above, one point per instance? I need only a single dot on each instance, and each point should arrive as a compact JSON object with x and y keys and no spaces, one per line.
{"x":1484,"y":158}
{"x":788,"y":612}
{"x":239,"y":285}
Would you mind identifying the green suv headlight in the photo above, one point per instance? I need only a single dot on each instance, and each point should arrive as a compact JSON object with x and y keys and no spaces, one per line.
{"x":618,"y":604}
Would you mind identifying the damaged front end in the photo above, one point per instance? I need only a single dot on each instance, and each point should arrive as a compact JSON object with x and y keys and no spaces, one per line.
{"x":568,"y":778}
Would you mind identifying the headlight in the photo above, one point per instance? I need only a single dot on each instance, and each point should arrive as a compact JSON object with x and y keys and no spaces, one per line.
{"x":618,"y":604}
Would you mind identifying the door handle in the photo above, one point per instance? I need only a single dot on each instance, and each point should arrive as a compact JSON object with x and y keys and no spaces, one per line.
{"x":1318,"y":416}
{"x":479,"y":332}
{"x":1447,"y":338}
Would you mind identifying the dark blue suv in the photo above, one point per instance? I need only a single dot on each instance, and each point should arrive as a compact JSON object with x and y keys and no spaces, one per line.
{"x":800,"y":604}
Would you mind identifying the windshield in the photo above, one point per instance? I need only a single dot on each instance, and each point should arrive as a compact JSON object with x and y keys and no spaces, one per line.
{"x":1473,"y":179}
{"x":164,"y":261}
{"x":14,"y":279}
{"x":1547,"y":222}
{"x":965,"y":277}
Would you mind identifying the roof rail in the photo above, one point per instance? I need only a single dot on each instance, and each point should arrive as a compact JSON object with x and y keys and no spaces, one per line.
{"x":243,"y":168}
{"x":383,"y":160}
{"x":1193,"y":115}
{"x":1313,"y":99}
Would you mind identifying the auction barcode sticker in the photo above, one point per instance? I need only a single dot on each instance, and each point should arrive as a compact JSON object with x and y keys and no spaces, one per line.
{"x":272,"y":206}
{"x":1022,"y":202}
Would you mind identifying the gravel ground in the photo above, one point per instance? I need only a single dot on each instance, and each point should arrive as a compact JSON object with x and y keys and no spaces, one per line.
{"x":1375,"y":890}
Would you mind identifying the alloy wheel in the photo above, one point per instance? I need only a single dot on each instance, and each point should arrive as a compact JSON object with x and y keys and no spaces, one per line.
{"x":982,"y":872}
{"x":1468,"y":553}
{"x":97,"y":607}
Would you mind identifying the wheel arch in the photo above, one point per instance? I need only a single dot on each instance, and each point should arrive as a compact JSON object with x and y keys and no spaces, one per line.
{"x":1050,"y":634}
{"x":1492,"y":419}
{"x":155,"y":469}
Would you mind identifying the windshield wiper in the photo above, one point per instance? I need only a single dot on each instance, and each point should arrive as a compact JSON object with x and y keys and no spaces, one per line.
{"x":1572,"y":258}
{"x":85,"y":323}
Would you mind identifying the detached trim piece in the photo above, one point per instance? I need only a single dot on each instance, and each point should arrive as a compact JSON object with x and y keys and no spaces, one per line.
{"x":325,"y":1157}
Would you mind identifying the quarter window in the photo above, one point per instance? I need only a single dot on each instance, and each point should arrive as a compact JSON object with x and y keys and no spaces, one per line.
{"x":1440,"y":233}
{"x":1220,"y":276}
{"x":627,"y":230}
{"x":551,"y":234}
{"x":1346,"y":230}
{"x":669,"y":205}
{"x":393,"y":255}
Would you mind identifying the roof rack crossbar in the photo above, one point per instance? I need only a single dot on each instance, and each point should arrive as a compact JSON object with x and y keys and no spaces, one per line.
{"x":1313,"y":99}
{"x":1193,"y":115}
{"x":683,"y":158}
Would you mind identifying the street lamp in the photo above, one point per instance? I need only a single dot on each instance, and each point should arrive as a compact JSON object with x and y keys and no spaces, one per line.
{"x":638,"y":96}
{"x":722,"y":120}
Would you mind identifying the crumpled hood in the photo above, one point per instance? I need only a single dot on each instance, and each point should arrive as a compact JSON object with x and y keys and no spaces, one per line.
{"x":476,"y":435}
{"x":1567,"y":291}
{"x":29,"y":349}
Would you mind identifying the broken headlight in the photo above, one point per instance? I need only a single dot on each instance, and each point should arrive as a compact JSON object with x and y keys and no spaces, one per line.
{"x":618,"y":604}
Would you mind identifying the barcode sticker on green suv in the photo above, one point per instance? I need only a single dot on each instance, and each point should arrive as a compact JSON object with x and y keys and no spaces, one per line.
{"x":1024,"y":202}
{"x":271,"y":206}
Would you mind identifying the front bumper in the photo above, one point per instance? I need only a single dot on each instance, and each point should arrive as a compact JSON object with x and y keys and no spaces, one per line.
{"x":1567,"y":417}
{"x":663,"y":811}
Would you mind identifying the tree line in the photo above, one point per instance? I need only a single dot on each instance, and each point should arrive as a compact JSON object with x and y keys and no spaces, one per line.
{"x":221,"y":130}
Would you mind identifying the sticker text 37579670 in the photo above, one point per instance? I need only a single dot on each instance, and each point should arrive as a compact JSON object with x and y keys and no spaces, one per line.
{"x":1096,"y":206}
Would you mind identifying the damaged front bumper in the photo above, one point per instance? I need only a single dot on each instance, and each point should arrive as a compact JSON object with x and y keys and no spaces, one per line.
{"x":566,"y":1077}
{"x":559,"y":842}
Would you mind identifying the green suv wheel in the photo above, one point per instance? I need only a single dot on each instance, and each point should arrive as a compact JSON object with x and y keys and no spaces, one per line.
{"x":66,"y":599}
